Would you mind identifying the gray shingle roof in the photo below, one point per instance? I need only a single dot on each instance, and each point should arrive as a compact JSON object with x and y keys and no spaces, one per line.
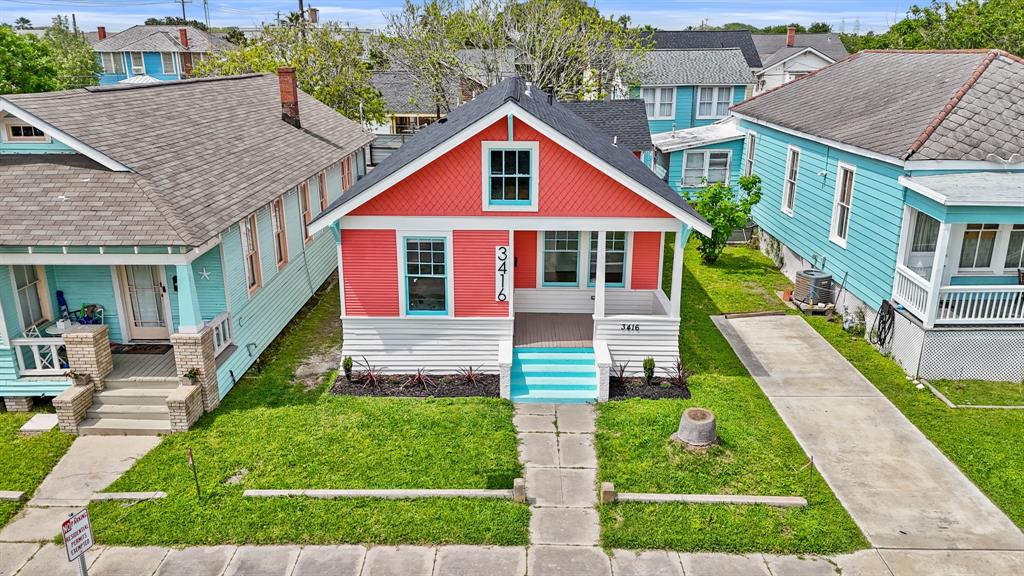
{"x":403,"y":96}
{"x":905,"y":105}
{"x":205,"y":152}
{"x":974,"y":188}
{"x":772,"y":49}
{"x":144,"y":38}
{"x":624,"y":119}
{"x":705,"y":39}
{"x":724,"y":66}
{"x":553,"y":113}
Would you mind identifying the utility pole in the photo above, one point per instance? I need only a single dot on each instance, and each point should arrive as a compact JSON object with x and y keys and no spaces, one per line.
{"x":74,"y":24}
{"x":302,"y":11}
{"x":206,"y":12}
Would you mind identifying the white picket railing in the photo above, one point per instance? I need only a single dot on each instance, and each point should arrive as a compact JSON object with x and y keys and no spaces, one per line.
{"x":911,"y":291}
{"x":38,"y":356}
{"x":980,"y":305}
{"x":222,"y":338}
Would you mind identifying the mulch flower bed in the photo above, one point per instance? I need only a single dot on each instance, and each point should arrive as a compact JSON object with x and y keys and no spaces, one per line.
{"x":404,"y":385}
{"x":637,"y":387}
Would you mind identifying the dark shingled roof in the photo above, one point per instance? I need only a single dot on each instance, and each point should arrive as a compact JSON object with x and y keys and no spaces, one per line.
{"x":403,"y":96}
{"x":925,"y":105}
{"x":204,"y":154}
{"x":704,"y":39}
{"x":772,"y":48}
{"x":159,"y":38}
{"x":536,"y":103}
{"x":625,"y":119}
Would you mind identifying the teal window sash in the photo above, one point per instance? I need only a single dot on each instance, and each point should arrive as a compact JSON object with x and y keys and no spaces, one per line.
{"x":592,"y":260}
{"x":504,"y":176}
{"x":409,"y":311}
{"x":568,"y":239}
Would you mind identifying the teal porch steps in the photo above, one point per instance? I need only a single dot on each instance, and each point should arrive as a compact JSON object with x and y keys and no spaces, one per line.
{"x":554,"y":375}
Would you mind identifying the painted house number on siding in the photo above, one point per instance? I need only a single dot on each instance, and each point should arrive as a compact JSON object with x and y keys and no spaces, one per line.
{"x":501,"y":274}
{"x":630,"y":327}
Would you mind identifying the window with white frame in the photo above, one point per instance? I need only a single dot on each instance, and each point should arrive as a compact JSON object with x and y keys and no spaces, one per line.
{"x":561,"y":258}
{"x":843,"y":202}
{"x":277,"y":221}
{"x":17,"y":131}
{"x":614,"y":259}
{"x":167,"y":62}
{"x":748,"y":160}
{"x":659,"y":101}
{"x":713,"y":101}
{"x":510,"y":174}
{"x":251,"y":253}
{"x":426,"y":276}
{"x":789,"y":185}
{"x":306,"y":207}
{"x":138,"y":63}
{"x":112,"y":62}
{"x":923,"y":240}
{"x":31,"y":290}
{"x":1015,"y":250}
{"x":978,"y":245}
{"x":705,"y":166}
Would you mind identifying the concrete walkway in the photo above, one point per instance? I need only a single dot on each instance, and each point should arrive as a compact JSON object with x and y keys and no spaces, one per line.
{"x":899,"y":488}
{"x":91,"y":464}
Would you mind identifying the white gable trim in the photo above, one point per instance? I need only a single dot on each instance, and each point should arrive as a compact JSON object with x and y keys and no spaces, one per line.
{"x":74,"y":143}
{"x":791,"y":56}
{"x":535,"y":123}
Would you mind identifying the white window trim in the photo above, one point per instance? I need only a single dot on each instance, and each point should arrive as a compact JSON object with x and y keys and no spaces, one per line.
{"x":44,"y":297}
{"x":403,"y":302}
{"x":142,"y":62}
{"x":174,"y":63}
{"x":748,"y":158}
{"x":257,"y":272}
{"x":715,"y":91}
{"x":834,"y":227}
{"x":485,"y":177}
{"x":10,"y":122}
{"x":658,"y":102}
{"x":1000,"y":247}
{"x":789,"y":210}
{"x":707,"y":165}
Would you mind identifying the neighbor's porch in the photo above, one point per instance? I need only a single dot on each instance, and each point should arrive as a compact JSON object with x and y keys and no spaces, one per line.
{"x":961,"y":251}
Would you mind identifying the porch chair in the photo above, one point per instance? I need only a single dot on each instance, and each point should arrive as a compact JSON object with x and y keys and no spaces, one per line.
{"x":87,"y":314}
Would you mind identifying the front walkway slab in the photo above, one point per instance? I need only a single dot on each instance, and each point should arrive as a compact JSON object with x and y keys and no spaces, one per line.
{"x":91,"y":464}
{"x":480,"y":561}
{"x":568,"y":561}
{"x":332,"y":560}
{"x":573,"y":526}
{"x":722,"y":564}
{"x":800,"y":566}
{"x":196,"y":561}
{"x":651,"y":563}
{"x":36,"y":524}
{"x":262,"y":561}
{"x":128,"y":561}
{"x":534,"y":422}
{"x":576,"y":451}
{"x":899,"y":488}
{"x":538,"y":449}
{"x":399,"y":561}
{"x":575,"y":418}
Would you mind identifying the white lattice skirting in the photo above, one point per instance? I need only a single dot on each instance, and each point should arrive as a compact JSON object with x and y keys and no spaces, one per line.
{"x":976,"y":353}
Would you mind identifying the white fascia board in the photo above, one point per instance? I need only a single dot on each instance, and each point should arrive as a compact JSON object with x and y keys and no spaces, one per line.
{"x":827,"y":142}
{"x":975,"y":165}
{"x":941,"y":198}
{"x":922,"y":190}
{"x":74,"y":143}
{"x":510,"y":223}
{"x":679,"y":147}
{"x":804,"y":51}
{"x":106,"y":259}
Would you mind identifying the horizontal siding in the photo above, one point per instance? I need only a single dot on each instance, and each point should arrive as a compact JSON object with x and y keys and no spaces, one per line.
{"x":581,"y":301}
{"x":657,"y":338}
{"x":210,"y":291}
{"x":8,"y":363}
{"x":525,"y":259}
{"x":876,"y":214}
{"x":87,"y":285}
{"x":473,"y":252}
{"x":370,"y":272}
{"x":402,"y":345}
{"x":647,"y":257}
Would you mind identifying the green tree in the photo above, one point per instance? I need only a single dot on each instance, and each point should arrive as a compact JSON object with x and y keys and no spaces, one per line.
{"x":22,"y":23}
{"x":25,"y":63}
{"x":327,"y":59}
{"x":176,"y":21}
{"x":71,"y":55}
{"x":725,"y":211}
{"x":783,"y":28}
{"x":819,"y":28}
{"x":234,"y":35}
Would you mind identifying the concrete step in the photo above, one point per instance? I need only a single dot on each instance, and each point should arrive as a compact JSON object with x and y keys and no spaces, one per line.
{"x":552,"y":367}
{"x":556,"y":381}
{"x":526,"y":394}
{"x":123,"y":427}
{"x":128,"y":412}
{"x":141,"y":382}
{"x":132,"y":397}
{"x":553,"y":356}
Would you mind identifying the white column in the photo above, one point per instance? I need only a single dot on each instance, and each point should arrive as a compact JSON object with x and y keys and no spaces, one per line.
{"x":908,"y":224}
{"x":336,"y":232}
{"x":599,"y":280}
{"x":677,"y":270}
{"x":938,"y":267}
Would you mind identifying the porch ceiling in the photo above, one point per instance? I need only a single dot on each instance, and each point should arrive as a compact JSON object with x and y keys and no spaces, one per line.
{"x":970,"y":188}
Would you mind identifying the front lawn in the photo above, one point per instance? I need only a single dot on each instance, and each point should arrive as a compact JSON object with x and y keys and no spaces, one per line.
{"x":271,"y":432}
{"x":757,"y":453}
{"x":981,"y":392}
{"x":26,"y":461}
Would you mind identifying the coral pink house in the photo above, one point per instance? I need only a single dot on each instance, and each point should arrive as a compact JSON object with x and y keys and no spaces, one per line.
{"x":516,"y":238}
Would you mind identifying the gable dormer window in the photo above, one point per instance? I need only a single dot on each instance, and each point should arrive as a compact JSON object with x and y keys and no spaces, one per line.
{"x":15,"y":131}
{"x":510,"y":175}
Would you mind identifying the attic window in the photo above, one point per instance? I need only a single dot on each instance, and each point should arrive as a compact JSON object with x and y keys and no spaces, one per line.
{"x":18,"y":132}
{"x":510,"y":175}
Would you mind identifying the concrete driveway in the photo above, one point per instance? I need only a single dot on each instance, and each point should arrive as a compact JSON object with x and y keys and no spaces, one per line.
{"x":898,"y":487}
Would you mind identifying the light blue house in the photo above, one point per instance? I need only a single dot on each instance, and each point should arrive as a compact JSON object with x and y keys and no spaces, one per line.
{"x":146,"y":53}
{"x":902,"y":174}
{"x":138,"y":248}
{"x":689,"y":89}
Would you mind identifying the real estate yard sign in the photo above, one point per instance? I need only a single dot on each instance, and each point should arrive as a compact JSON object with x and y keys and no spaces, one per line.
{"x":77,"y":535}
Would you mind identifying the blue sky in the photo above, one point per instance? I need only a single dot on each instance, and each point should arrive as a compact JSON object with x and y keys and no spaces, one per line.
{"x":666,"y":14}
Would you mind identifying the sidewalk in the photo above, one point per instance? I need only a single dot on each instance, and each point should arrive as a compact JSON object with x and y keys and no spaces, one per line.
{"x":899,"y":488}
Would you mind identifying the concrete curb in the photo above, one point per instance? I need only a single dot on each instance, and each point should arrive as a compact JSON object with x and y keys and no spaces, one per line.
{"x":949,"y":403}
{"x":385,"y":494}
{"x":102,"y":496}
{"x":11,"y":496}
{"x":780,"y":501}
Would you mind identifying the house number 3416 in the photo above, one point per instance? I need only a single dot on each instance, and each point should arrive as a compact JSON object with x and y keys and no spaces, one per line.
{"x":630,"y":327}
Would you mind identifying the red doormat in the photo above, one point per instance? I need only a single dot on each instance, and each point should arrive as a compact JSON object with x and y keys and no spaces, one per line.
{"x":140,"y":348}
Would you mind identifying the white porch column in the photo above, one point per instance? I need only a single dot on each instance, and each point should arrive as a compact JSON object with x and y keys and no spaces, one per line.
{"x":599,"y":279}
{"x":190,"y":319}
{"x":677,"y":270}
{"x":336,"y":232}
{"x":938,"y":267}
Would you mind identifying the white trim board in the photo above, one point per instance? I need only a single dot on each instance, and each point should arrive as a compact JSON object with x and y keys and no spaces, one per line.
{"x":927,"y":192}
{"x":794,"y":55}
{"x":53,"y":132}
{"x":514,"y":223}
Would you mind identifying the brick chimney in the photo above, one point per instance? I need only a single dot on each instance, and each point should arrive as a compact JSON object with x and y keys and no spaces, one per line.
{"x":314,"y":15}
{"x":791,"y":36}
{"x":289,"y":96}
{"x":101,"y":32}
{"x":186,"y":56}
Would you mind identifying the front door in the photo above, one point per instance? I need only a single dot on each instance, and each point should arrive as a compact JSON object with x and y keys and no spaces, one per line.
{"x":144,"y":295}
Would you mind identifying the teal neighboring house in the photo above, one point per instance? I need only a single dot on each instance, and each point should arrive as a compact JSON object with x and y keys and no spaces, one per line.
{"x":147,"y":53}
{"x":146,"y":260}
{"x":686,"y":90}
{"x":903,"y":173}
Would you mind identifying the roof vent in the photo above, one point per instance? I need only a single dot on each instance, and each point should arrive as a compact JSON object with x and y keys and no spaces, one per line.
{"x":615,"y":140}
{"x":528,"y":86}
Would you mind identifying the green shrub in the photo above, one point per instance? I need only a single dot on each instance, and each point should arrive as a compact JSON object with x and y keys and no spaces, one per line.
{"x":648,"y":369}
{"x":346,"y":365}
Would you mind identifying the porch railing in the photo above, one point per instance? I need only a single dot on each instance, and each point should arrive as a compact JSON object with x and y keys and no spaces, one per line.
{"x":980,"y":305}
{"x":911,"y":291}
{"x":222,"y":337}
{"x":39,"y":356}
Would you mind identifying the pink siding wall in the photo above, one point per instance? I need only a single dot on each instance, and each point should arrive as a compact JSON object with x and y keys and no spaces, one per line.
{"x":473,"y":251}
{"x":370,"y":269}
{"x":646,"y":257}
{"x":451,"y":185}
{"x":526,"y":258}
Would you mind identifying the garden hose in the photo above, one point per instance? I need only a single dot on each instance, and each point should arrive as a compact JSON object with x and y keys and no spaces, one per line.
{"x":881,"y":330}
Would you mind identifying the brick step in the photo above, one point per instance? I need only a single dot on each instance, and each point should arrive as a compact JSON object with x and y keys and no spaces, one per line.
{"x":123,"y":427}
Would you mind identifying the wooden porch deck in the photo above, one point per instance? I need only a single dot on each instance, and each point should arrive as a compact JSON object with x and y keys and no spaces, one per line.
{"x":127,"y":366}
{"x":541,"y":330}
